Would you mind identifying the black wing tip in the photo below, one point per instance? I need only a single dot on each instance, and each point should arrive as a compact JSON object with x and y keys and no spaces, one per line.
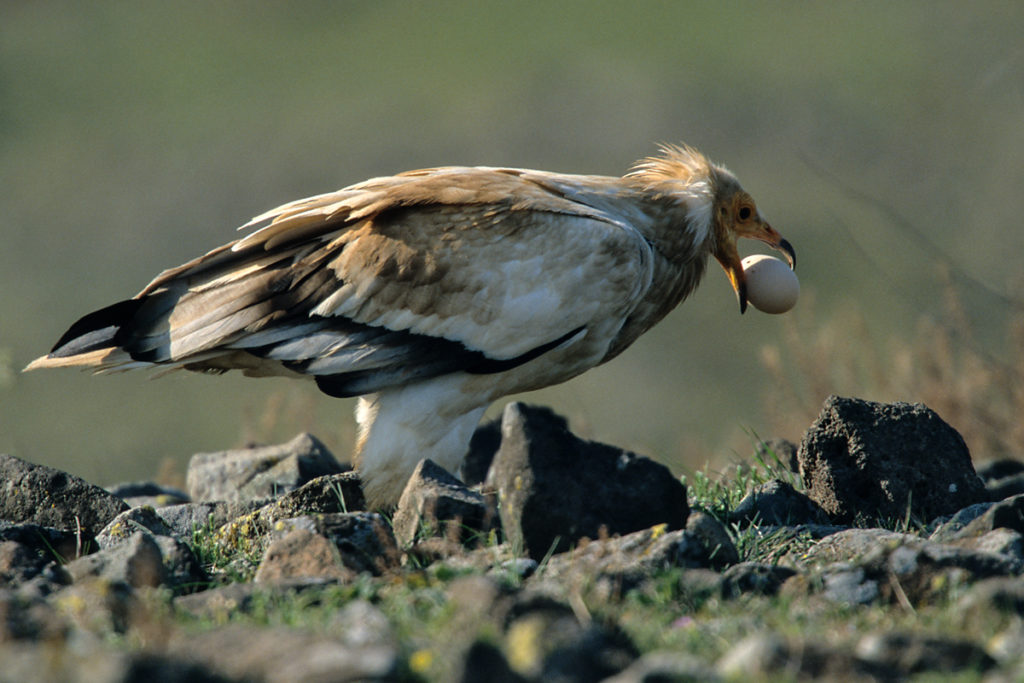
{"x":96,"y":330}
{"x":435,"y":357}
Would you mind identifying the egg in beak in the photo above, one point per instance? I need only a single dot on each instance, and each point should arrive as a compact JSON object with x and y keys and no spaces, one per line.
{"x":742,"y":220}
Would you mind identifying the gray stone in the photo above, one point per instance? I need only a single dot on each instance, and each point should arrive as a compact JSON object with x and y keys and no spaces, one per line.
{"x":277,"y":654}
{"x":865,"y":461}
{"x":948,"y":527}
{"x":330,"y":493}
{"x":95,"y":662}
{"x":759,"y":654}
{"x":223,"y":602}
{"x":902,"y":566}
{"x":436,"y":503}
{"x":556,"y":489}
{"x":360,"y":624}
{"x":182,"y":569}
{"x":19,"y":563}
{"x":100,"y":604}
{"x":1001,"y":541}
{"x":137,"y":562}
{"x":851,"y":545}
{"x":768,"y":655}
{"x":49,"y":497}
{"x":302,"y":554}
{"x":185,"y":520}
{"x":721,"y":551}
{"x":913,"y":653}
{"x":777,"y":503}
{"x":126,"y":524}
{"x":24,"y":618}
{"x":1006,"y":514}
{"x":32,"y":559}
{"x":755,"y":578}
{"x":259,"y":473}
{"x":666,"y":666}
{"x":427,"y":551}
{"x":622,"y":563}
{"x":363,"y":539}
{"x":846,"y":584}
{"x":993,"y":596}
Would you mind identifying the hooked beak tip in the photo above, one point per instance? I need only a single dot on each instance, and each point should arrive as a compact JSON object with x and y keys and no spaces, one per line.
{"x":789,"y":252}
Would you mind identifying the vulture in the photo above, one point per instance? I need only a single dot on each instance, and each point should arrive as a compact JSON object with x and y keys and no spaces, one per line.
{"x":431,"y":293}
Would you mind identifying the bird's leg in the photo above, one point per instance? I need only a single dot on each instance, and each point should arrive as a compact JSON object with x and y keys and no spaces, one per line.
{"x":400,"y":427}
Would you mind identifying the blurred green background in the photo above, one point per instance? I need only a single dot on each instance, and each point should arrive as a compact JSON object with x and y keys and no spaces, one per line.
{"x":137,"y":135}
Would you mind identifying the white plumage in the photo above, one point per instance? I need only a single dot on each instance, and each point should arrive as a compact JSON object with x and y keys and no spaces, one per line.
{"x":431,"y":293}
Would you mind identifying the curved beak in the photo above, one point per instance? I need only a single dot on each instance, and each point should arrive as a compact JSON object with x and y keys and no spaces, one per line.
{"x":729,"y":257}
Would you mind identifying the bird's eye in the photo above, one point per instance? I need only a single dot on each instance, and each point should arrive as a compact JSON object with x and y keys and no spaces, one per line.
{"x":745,"y":213}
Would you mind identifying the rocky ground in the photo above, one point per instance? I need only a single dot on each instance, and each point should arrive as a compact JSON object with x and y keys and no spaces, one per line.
{"x":873,"y":550}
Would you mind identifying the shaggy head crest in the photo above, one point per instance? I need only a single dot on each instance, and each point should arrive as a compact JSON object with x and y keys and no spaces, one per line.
{"x":676,"y":162}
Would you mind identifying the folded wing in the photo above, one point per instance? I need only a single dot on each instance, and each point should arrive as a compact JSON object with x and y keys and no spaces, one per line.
{"x":384,"y":283}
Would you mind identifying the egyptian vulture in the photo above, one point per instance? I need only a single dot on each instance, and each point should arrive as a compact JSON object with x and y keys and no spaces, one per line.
{"x":431,"y":293}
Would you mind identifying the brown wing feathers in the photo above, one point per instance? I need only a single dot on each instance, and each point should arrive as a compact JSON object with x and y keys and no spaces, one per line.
{"x":201,"y":315}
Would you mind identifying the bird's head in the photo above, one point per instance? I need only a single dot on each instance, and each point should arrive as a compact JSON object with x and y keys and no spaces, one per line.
{"x":716,"y":202}
{"x":735,"y":215}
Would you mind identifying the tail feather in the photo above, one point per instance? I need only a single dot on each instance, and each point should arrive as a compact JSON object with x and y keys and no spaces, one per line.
{"x":92,"y":341}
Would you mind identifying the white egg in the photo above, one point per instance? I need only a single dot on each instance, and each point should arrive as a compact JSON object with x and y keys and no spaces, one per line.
{"x":772,"y":286}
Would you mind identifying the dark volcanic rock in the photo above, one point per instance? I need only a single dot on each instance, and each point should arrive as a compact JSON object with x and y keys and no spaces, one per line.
{"x":1006,"y":514}
{"x":259,"y":473}
{"x":54,"y":544}
{"x":548,"y":643}
{"x":140,"y":493}
{"x":777,"y":503}
{"x":433,"y":499}
{"x":994,"y":470}
{"x":913,"y":653}
{"x":871,"y":461}
{"x":49,"y":497}
{"x":555,"y":488}
{"x":1006,"y":487}
{"x":482,"y":448}
{"x":1003,"y":478}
